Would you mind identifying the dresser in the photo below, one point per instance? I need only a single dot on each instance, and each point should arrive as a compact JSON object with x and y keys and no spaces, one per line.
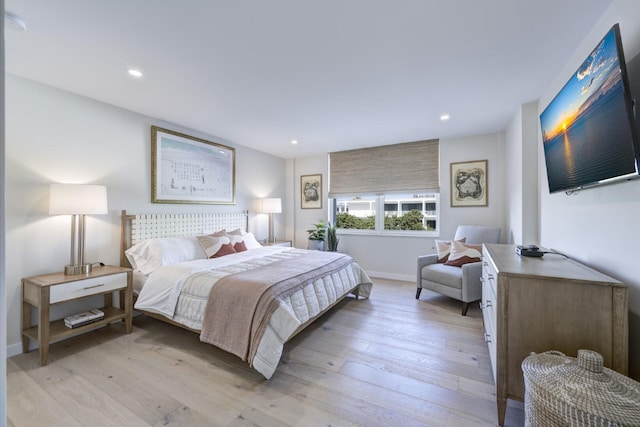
{"x":536,"y":304}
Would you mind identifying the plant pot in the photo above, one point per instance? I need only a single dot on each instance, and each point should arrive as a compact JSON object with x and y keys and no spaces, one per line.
{"x":316,"y":245}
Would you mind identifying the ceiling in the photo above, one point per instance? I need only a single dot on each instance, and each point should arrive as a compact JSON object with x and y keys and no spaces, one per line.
{"x":332,"y":74}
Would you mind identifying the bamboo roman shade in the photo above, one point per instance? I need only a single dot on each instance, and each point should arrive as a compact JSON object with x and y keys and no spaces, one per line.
{"x":411,"y":166}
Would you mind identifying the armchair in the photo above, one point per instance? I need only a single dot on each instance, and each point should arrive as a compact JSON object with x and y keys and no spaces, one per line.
{"x":462,"y":283}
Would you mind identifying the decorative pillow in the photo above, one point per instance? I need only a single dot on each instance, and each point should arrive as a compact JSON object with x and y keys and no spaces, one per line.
{"x":213,"y":246}
{"x":152,"y":254}
{"x":444,"y":247}
{"x":250,"y":241}
{"x":463,"y":253}
{"x":239,"y":246}
{"x":225,"y":249}
{"x":236,"y":232}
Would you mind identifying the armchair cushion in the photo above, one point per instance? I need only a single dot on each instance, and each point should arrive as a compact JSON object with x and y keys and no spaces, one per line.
{"x":478,"y":234}
{"x":444,"y":274}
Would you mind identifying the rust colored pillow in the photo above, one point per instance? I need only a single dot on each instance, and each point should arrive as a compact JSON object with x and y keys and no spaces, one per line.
{"x":240,"y":246}
{"x":225,"y":249}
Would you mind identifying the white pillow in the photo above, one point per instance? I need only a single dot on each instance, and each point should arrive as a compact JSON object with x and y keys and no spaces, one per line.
{"x":152,"y":254}
{"x":250,"y":241}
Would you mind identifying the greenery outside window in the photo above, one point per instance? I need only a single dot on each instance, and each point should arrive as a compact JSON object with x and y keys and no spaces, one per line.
{"x":414,"y":214}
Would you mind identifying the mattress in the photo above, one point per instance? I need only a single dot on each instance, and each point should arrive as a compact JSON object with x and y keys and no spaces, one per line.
{"x":180,"y":292}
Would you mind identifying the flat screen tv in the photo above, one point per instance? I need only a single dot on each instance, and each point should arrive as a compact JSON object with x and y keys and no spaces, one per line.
{"x":589,"y":131}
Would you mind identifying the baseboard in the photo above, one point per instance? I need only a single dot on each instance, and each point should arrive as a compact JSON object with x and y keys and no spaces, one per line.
{"x":392,"y":276}
{"x":14,"y":349}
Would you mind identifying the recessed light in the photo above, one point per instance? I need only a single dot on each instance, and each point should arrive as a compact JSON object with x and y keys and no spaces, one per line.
{"x":135,"y":73}
{"x":445,"y":117}
{"x":294,"y":141}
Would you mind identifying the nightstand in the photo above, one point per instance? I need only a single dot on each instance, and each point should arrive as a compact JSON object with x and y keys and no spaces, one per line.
{"x":41,"y":292}
{"x":286,"y":243}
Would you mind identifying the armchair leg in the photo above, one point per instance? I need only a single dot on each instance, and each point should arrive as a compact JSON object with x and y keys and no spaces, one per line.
{"x":465,"y":306}
{"x":418,"y":293}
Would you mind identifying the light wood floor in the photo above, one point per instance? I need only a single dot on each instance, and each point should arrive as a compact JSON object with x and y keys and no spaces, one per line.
{"x":386,"y":361}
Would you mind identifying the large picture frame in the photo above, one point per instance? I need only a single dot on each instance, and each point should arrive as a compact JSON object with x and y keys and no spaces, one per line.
{"x":185,"y":169}
{"x":311,"y":191}
{"x":469,"y":184}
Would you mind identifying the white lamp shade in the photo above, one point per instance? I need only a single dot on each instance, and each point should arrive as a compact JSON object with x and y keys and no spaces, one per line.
{"x":272,"y":205}
{"x":71,"y":199}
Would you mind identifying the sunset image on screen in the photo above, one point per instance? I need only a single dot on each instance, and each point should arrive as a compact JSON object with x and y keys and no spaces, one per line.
{"x":599,"y":73}
{"x":586,"y":131}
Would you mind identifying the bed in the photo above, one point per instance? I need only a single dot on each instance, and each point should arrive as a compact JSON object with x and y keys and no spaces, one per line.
{"x":208,"y":274}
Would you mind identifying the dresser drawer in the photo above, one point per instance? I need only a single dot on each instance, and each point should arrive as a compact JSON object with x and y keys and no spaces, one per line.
{"x":489,"y":319}
{"x":489,"y":311}
{"x":82,"y":288}
{"x":489,"y":275}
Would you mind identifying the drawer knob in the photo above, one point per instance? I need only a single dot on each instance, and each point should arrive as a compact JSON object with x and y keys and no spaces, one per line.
{"x":94,"y":286}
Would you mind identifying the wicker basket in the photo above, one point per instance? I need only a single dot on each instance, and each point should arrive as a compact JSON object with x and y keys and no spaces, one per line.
{"x":563,"y":391}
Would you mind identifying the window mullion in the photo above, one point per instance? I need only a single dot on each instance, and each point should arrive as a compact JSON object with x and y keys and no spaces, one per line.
{"x":379,"y":214}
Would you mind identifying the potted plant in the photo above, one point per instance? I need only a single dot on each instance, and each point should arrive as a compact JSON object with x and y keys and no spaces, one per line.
{"x":317,"y":235}
{"x":332,"y":238}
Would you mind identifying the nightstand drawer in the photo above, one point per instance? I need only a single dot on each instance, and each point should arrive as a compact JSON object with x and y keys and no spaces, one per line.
{"x":86,"y":287}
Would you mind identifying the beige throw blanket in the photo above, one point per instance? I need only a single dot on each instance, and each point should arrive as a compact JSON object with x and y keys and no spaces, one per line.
{"x":240,"y":305}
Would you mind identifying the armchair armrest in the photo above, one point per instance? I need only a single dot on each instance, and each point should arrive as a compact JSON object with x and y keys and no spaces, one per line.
{"x":422,"y":261}
{"x":471,"y":284}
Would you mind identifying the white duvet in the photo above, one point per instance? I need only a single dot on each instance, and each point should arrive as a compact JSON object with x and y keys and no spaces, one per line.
{"x":180,"y":292}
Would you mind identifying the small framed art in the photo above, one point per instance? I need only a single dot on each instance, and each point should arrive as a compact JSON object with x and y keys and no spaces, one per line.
{"x":469,"y":184}
{"x":185,"y":169}
{"x":311,"y":191}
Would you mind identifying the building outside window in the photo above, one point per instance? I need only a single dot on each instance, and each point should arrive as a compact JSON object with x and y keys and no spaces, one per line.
{"x":406,"y":214}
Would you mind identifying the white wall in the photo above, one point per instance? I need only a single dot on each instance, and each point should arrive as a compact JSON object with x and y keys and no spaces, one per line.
{"x":305,"y":218}
{"x":56,"y":136}
{"x":395,"y":257}
{"x":599,"y":226}
{"x":513,"y":185}
{"x":521,"y":176}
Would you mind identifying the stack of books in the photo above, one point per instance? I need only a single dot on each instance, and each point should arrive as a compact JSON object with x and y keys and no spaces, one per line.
{"x":85,"y":318}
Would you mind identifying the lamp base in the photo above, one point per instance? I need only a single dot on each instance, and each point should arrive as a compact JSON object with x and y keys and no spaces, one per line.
{"x":72,"y":270}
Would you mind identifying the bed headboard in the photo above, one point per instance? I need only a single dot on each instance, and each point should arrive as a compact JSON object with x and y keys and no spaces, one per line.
{"x":139,"y":227}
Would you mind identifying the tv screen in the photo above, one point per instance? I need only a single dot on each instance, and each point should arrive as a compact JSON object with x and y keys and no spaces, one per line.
{"x":588,"y":130}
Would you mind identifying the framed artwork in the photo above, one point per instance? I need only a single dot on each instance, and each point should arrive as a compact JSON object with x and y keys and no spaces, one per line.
{"x":185,"y":169}
{"x":469,"y":184}
{"x":311,"y":191}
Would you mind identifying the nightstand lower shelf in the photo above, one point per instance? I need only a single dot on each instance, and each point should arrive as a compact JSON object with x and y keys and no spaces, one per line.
{"x":58,"y":330}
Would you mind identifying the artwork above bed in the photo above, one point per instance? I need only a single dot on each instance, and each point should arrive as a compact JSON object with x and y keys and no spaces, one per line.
{"x":248,"y":301}
{"x":186,"y":169}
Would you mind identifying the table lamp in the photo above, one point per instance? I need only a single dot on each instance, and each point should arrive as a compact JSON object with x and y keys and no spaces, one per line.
{"x":271,"y":205}
{"x":77,"y":200}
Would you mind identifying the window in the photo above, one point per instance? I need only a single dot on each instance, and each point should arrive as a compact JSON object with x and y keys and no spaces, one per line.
{"x":386,"y":190}
{"x":355,"y":213}
{"x":391,"y":214}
